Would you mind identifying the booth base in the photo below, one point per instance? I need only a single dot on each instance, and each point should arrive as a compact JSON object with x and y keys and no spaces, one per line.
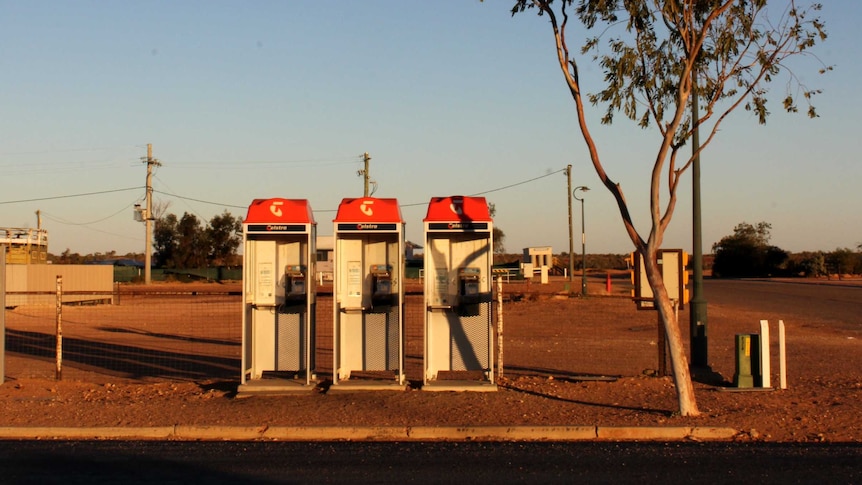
{"x":274,"y":386}
{"x":459,"y":386}
{"x":366,"y":385}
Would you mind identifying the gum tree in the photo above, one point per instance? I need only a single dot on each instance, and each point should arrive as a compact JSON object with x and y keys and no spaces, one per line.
{"x":655,"y":54}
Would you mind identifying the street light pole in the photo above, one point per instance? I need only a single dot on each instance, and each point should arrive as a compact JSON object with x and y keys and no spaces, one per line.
{"x":571,"y":243}
{"x":698,"y":309}
{"x":583,"y":240}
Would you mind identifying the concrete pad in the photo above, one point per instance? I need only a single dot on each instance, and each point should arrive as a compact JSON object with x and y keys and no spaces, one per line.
{"x":274,"y":387}
{"x":459,"y":386}
{"x":367,"y":385}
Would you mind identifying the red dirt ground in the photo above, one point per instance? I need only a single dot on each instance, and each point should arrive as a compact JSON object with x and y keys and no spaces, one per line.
{"x":822,"y":402}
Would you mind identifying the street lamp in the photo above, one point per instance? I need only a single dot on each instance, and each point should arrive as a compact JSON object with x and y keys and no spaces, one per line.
{"x":583,"y":241}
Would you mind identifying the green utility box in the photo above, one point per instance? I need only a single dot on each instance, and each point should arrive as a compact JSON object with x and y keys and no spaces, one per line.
{"x":748,"y":373}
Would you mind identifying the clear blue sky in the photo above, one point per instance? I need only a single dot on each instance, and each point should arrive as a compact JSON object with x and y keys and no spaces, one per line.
{"x":259,"y":99}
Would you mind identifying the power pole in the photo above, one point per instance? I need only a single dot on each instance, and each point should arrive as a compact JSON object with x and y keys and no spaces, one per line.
{"x":365,"y":172}
{"x":148,"y":214}
{"x":571,"y":243}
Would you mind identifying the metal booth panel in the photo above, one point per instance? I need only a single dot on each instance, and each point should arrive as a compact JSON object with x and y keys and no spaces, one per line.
{"x":278,"y":296}
{"x":368,"y":328}
{"x":458,"y":330}
{"x":279,"y":324}
{"x":368,"y":294}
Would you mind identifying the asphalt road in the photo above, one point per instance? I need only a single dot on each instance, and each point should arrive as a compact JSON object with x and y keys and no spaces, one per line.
{"x":840,"y":304}
{"x":94,"y":462}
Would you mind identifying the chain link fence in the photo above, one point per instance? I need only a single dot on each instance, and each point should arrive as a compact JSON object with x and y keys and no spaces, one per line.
{"x":183,"y":332}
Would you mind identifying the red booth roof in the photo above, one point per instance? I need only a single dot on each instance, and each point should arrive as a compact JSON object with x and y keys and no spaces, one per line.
{"x":369,"y":209}
{"x":458,"y":208}
{"x":296,"y":211}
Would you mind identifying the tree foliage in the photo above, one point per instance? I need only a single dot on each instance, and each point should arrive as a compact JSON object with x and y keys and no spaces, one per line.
{"x":497,"y":234}
{"x":747,"y":253}
{"x":224,"y":235}
{"x":655,"y":54}
{"x":187,"y":243}
{"x":165,"y":241}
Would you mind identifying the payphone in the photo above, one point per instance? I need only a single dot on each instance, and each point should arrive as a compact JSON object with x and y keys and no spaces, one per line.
{"x":468,"y":286}
{"x":381,"y":284}
{"x":458,"y":330}
{"x":368,"y":342}
{"x":295,"y":283}
{"x":279,"y":237}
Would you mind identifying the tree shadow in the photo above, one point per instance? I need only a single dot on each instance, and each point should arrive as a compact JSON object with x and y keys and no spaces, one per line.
{"x":557,"y":374}
{"x":168,"y":336}
{"x":705,"y":375}
{"x":568,"y":376}
{"x":123,"y":360}
{"x":661,"y":412}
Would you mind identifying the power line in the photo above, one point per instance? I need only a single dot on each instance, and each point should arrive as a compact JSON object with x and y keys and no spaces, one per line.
{"x":497,"y":189}
{"x":187,"y":204}
{"x":63,"y":221}
{"x":521,"y":183}
{"x":87,"y":194}
{"x":244,"y":164}
{"x":200,"y":200}
{"x":57,"y":197}
{"x":68,"y":150}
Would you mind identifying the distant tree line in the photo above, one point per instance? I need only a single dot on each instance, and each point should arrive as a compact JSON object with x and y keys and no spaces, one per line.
{"x":187,"y":243}
{"x":747,"y":253}
{"x":68,"y":257}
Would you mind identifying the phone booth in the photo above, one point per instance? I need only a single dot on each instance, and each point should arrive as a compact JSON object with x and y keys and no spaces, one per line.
{"x":278,"y":296}
{"x":368,"y":341}
{"x":458,"y":330}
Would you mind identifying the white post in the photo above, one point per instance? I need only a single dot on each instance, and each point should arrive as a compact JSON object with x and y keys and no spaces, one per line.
{"x":499,"y":326}
{"x":782,"y":357}
{"x":59,"y":330}
{"x":764,"y":353}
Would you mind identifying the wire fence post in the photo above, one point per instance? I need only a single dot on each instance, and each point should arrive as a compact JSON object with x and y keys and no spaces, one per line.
{"x":2,"y":313}
{"x":500,"y":326}
{"x":59,"y":373}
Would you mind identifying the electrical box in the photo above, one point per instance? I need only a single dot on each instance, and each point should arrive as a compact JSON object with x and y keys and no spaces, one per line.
{"x":672,"y":264}
{"x":747,"y":361}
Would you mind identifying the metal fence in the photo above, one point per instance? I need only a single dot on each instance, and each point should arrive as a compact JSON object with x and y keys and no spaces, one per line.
{"x":188,"y":334}
{"x":138,"y":336}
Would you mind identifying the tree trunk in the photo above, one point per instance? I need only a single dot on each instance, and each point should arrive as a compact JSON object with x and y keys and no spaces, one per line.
{"x":678,"y":361}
